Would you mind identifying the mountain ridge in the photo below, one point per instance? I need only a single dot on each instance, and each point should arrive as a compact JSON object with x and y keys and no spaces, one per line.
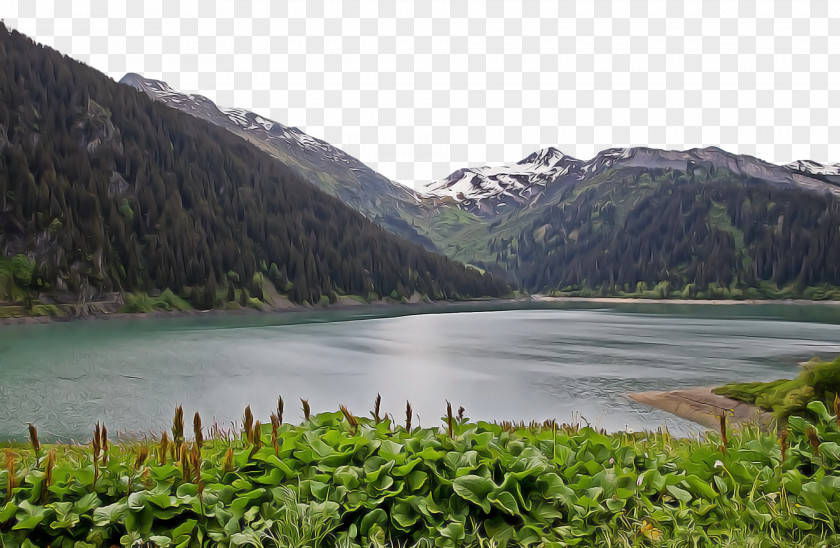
{"x":329,"y":168}
{"x":105,"y":192}
{"x":701,"y":222}
{"x":549,"y":166}
{"x":252,"y":122}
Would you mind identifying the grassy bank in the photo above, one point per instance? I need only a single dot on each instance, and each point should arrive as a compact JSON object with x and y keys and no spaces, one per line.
{"x":818,"y":381}
{"x":342,"y":480}
{"x":765,"y":291}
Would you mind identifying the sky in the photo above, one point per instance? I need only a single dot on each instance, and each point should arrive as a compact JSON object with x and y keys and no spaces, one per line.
{"x":417,"y":90}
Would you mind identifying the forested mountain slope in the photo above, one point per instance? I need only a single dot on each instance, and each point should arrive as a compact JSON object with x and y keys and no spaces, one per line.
{"x":103,"y":191}
{"x":391,"y":205}
{"x":638,"y":221}
{"x":717,"y":234}
{"x":700,"y":231}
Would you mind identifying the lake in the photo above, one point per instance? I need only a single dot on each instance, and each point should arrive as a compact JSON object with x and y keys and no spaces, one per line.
{"x":573,"y":362}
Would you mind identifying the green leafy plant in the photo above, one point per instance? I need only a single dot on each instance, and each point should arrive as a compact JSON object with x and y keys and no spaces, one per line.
{"x":344,"y":479}
{"x":286,"y":522}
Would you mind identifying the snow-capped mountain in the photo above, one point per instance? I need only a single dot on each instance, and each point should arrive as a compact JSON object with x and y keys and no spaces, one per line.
{"x":547,"y":220}
{"x":519,"y":183}
{"x":526,"y":179}
{"x":830,"y":172}
{"x":254,"y":126}
{"x":327,"y":167}
{"x":487,"y":189}
{"x":519,"y":180}
{"x":550,"y":169}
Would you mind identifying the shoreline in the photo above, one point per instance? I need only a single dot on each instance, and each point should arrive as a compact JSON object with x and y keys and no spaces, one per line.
{"x":716,"y":302}
{"x":96,"y":311}
{"x":283,"y":309}
{"x":702,"y":406}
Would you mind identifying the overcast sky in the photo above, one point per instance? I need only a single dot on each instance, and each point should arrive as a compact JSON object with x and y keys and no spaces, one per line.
{"x":419,"y":89}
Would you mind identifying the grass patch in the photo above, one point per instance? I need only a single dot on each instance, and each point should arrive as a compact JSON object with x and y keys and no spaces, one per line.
{"x":46,"y":310}
{"x":12,"y":311}
{"x":15,"y":278}
{"x":818,"y":381}
{"x":712,"y":291}
{"x":142,"y":302}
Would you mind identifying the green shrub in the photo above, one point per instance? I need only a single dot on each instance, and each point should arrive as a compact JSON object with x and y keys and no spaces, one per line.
{"x":343,"y":480}
{"x":15,"y":278}
{"x":818,"y":381}
{"x":142,"y":302}
{"x":46,"y":310}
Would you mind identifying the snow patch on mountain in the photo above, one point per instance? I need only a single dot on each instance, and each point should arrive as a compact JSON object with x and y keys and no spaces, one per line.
{"x":480,"y":183}
{"x":244,"y":120}
{"x":237,"y":116}
{"x":266,"y":124}
{"x":811,"y":167}
{"x":519,"y":180}
{"x":606,"y":158}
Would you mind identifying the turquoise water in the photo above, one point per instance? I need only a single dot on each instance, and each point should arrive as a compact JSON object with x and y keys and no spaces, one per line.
{"x":570,"y":362}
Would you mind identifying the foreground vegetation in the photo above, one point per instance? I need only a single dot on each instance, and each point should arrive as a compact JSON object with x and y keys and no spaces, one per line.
{"x":337,"y":479}
{"x":818,"y":381}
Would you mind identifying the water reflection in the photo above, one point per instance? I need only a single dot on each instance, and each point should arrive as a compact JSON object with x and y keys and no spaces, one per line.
{"x":514,"y":364}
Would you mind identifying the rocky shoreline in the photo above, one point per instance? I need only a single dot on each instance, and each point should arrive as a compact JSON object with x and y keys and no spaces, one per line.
{"x":702,"y":406}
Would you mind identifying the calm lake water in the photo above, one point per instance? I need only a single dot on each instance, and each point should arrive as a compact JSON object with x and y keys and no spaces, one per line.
{"x":565,"y":361}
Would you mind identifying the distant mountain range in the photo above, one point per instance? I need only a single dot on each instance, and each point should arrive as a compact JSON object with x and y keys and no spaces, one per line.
{"x":634,"y":221}
{"x":486,"y":188}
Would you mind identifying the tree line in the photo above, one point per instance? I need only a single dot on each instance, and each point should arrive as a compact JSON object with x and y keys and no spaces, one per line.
{"x":695,"y":228}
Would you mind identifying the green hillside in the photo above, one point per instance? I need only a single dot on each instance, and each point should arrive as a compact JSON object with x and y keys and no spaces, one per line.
{"x":665,"y":233}
{"x":106,"y":193}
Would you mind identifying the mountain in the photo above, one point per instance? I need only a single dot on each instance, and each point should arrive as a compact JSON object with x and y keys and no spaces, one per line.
{"x":825,"y":172}
{"x":508,"y":184}
{"x":486,"y":189}
{"x":649,"y":222}
{"x":105,"y":193}
{"x":632,"y":221}
{"x":436,"y":223}
{"x":389,"y":204}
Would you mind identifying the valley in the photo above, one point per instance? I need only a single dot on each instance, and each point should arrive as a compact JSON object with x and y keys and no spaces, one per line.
{"x":636,"y":222}
{"x":629,"y":223}
{"x":105,"y":192}
{"x":521,"y":331}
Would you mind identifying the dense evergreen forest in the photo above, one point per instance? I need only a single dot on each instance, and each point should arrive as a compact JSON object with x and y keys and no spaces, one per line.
{"x":703,"y":232}
{"x":105,"y":192}
{"x":635,"y":222}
